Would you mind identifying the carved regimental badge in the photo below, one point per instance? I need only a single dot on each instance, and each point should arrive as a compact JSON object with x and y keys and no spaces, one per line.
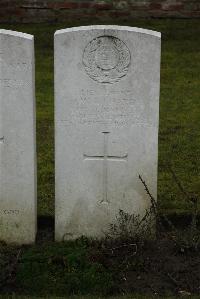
{"x":106,"y":59}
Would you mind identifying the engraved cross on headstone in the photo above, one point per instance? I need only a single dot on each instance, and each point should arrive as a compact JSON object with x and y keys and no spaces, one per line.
{"x":105,"y":157}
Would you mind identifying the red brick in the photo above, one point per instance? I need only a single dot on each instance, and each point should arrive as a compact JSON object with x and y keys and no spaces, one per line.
{"x":85,"y":5}
{"x":138,"y":7}
{"x":193,"y":7}
{"x":5,"y":4}
{"x":118,"y":14}
{"x":154,"y":5}
{"x":32,"y":4}
{"x":174,"y":7}
{"x":63,"y":5}
{"x":102,"y":6}
{"x":49,"y":10}
{"x":19,"y":12}
{"x":193,"y":14}
{"x":8,"y":4}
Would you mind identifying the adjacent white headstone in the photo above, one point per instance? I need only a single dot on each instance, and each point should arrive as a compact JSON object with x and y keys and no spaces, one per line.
{"x":17,"y":138}
{"x":107,"y":82}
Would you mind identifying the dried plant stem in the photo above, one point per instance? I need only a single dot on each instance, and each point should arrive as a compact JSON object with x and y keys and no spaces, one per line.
{"x":154,"y":206}
{"x":153,"y":202}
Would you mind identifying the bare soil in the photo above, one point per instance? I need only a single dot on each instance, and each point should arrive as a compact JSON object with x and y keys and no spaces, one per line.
{"x":166,"y":265}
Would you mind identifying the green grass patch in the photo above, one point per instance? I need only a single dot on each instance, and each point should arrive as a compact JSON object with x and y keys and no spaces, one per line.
{"x":101,"y":268}
{"x":62,"y":269}
{"x":179,"y":134}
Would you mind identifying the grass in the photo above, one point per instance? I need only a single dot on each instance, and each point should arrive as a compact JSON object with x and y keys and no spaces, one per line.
{"x":179,"y":135}
{"x":179,"y":139}
{"x":64,"y":268}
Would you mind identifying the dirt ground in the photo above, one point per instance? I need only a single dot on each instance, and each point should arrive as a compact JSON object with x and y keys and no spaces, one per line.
{"x":159,"y":267}
{"x":168,"y":265}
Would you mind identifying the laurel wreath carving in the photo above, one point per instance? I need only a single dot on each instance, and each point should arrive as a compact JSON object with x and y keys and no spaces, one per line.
{"x":96,"y":72}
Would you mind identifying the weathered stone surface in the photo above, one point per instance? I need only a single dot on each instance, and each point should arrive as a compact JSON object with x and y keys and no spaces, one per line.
{"x":17,"y":138}
{"x":107,"y":109}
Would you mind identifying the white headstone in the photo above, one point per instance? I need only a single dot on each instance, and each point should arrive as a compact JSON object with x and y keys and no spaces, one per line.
{"x":107,"y":82}
{"x":17,"y":138}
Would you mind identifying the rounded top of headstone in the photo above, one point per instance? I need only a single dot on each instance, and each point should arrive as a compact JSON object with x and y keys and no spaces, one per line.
{"x":16,"y":34}
{"x":110,"y":27}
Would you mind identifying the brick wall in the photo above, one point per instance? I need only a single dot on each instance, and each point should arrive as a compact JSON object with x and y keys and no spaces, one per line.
{"x":37,"y":11}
